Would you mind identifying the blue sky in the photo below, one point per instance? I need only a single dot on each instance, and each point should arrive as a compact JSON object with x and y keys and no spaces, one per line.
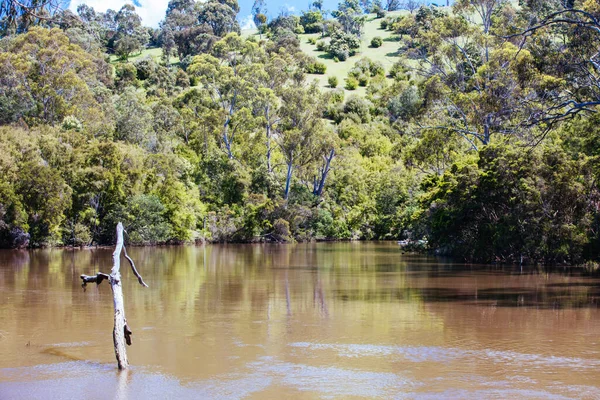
{"x":153,"y":11}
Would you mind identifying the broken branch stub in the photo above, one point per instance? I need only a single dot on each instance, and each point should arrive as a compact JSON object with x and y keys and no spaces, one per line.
{"x":121,"y":332}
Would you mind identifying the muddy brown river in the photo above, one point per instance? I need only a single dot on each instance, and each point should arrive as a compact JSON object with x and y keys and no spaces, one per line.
{"x":339,"y":321}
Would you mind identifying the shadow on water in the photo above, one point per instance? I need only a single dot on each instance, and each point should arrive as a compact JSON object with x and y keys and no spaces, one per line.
{"x":543,"y":297}
{"x":438,"y":281}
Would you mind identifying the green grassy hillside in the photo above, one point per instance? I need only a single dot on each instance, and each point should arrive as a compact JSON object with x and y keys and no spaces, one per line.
{"x":154,"y":52}
{"x":387,"y":54}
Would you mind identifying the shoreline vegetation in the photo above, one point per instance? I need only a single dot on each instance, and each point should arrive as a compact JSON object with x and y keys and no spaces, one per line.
{"x":472,"y":127}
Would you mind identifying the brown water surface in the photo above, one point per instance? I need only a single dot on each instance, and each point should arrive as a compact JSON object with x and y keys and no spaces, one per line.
{"x":342,"y":320}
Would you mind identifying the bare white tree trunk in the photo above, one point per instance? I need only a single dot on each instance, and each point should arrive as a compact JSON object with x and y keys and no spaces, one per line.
{"x":121,"y":332}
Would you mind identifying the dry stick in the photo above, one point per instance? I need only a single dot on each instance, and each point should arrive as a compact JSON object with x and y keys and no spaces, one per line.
{"x":135,"y":272}
{"x":121,"y":332}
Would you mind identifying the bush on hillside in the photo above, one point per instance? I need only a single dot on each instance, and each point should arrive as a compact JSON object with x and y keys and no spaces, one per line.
{"x":351,"y":83}
{"x":316,"y":68}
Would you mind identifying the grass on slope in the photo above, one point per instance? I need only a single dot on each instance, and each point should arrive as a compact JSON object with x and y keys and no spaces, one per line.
{"x":387,"y":54}
{"x":153,"y":52}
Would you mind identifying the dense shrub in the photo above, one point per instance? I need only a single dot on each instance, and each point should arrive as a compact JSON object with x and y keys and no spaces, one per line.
{"x":125,"y":75}
{"x":376,"y":42}
{"x":358,"y":106}
{"x":398,"y":71}
{"x":312,"y":21}
{"x":351,"y":83}
{"x":379,"y":12}
{"x":146,"y":68}
{"x":13,"y":218}
{"x":332,"y":81}
{"x":405,"y":105}
{"x":143,"y":217}
{"x":512,"y":204}
{"x":316,"y":68}
{"x":343,"y":45}
{"x":365,"y":66}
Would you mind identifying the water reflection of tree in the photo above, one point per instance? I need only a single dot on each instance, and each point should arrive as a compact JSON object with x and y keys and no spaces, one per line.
{"x":210,"y":294}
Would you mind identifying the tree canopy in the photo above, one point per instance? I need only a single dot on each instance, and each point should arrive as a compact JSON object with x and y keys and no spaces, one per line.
{"x":481,"y":138}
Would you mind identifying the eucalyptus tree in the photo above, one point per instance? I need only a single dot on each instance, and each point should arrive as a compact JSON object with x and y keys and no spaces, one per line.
{"x":181,"y":14}
{"x":220,"y":16}
{"x":350,"y":17}
{"x":259,"y":14}
{"x":17,"y":16}
{"x":45,"y":78}
{"x":277,"y":75}
{"x":483,"y":9}
{"x":410,"y":5}
{"x":475,"y":86}
{"x":130,"y":34}
{"x":567,"y":33}
{"x":134,"y":118}
{"x":301,"y":134}
{"x":227,"y":82}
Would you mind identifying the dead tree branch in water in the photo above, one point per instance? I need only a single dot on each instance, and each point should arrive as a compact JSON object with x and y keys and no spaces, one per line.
{"x":121,"y":332}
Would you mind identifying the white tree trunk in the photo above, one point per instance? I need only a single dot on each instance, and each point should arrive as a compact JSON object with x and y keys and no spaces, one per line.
{"x":121,"y":332}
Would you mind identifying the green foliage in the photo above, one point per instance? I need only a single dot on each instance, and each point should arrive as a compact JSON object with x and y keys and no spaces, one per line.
{"x":366,"y":67}
{"x":460,"y":143}
{"x":349,"y":16}
{"x":511,"y":205}
{"x":130,"y":36}
{"x":359,"y":107}
{"x":398,"y":71}
{"x":220,"y":16}
{"x":405,"y":105}
{"x":143,"y":216}
{"x":13,"y":218}
{"x":72,"y":123}
{"x":126,"y":75}
{"x":379,"y":12}
{"x":46,"y":198}
{"x":46,"y":78}
{"x":316,"y":68}
{"x":259,"y":9}
{"x":351,"y":83}
{"x":281,"y":230}
{"x":133,"y":119}
{"x":343,"y":45}
{"x":312,"y":21}
{"x":376,"y":42}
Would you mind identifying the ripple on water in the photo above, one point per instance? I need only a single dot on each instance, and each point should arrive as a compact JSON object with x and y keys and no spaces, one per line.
{"x":419,"y":354}
{"x":334,"y":381}
{"x":73,"y":379}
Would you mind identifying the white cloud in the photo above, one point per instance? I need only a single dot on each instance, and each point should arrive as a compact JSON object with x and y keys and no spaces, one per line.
{"x":151,"y":11}
{"x":247,"y":23}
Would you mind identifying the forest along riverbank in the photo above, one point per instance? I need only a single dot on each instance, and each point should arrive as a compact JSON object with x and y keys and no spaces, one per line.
{"x":311,"y":319}
{"x":472,"y":126}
